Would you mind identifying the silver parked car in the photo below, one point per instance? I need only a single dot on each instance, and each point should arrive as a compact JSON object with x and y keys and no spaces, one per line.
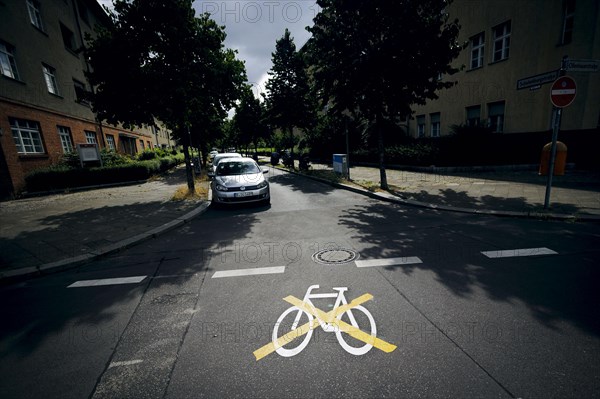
{"x":239,"y":180}
{"x":218,"y":157}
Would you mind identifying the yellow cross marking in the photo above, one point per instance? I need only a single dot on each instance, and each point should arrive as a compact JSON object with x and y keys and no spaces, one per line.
{"x":330,"y":318}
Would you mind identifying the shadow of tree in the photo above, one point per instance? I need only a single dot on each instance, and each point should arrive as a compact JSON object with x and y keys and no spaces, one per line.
{"x":304,"y":185}
{"x":31,"y":316}
{"x":461,"y":199}
{"x":552,"y":293}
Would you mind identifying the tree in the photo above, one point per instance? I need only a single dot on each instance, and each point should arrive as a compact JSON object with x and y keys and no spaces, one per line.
{"x":249,"y":119}
{"x":287,"y":100}
{"x":158,"y":61}
{"x":376,"y":58}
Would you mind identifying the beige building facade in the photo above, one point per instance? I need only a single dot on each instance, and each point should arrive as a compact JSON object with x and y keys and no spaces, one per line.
{"x":44,"y":109}
{"x":509,"y":40}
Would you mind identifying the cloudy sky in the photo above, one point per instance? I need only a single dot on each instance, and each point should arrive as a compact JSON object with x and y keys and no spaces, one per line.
{"x":253,"y":27}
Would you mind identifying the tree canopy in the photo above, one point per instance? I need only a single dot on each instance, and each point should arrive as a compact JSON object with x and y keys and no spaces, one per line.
{"x":376,"y":58}
{"x":287,"y":101}
{"x":157,"y":60}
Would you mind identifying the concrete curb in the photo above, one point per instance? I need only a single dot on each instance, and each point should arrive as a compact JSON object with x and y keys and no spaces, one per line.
{"x":402,"y":201}
{"x":69,"y":263}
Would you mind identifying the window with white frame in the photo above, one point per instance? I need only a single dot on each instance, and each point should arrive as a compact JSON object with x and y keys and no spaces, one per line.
{"x":473,"y":115}
{"x":35,"y":16}
{"x":8,"y":65}
{"x":50,"y":78}
{"x":27,"y":136}
{"x":142,"y":145}
{"x":65,"y":139}
{"x":421,"y":126}
{"x":501,"y":41}
{"x":568,"y":21}
{"x":435,"y":124}
{"x":81,"y":94}
{"x":496,"y":116}
{"x":90,"y":137}
{"x":477,"y":50}
{"x":110,"y":140}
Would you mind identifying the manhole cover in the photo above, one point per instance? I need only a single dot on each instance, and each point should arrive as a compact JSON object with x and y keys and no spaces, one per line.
{"x":335,"y":256}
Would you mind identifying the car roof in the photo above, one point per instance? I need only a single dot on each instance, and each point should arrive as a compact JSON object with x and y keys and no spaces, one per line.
{"x":228,"y":155}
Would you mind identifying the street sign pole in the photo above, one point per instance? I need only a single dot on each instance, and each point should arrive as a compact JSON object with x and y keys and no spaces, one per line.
{"x":555,"y":128}
{"x":557,"y":112}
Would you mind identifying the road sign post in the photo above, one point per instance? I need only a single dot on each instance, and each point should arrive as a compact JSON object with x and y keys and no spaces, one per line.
{"x":562,"y":94}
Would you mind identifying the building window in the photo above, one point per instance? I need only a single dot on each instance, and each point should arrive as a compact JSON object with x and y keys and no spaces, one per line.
{"x":65,"y":139}
{"x":477,"y":50}
{"x":50,"y":78}
{"x":110,"y":140}
{"x":496,"y":116}
{"x":142,"y":145}
{"x":68,"y":38}
{"x":568,"y":21}
{"x":421,"y":126}
{"x":501,"y":41}
{"x":435,"y":124}
{"x":90,"y":137}
{"x":473,"y":115}
{"x":27,"y":137}
{"x":8,"y":66}
{"x":81,"y":94}
{"x":35,"y":15}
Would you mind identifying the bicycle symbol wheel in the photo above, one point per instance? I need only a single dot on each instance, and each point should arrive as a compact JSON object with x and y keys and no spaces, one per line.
{"x":357,"y":351}
{"x":289,"y":352}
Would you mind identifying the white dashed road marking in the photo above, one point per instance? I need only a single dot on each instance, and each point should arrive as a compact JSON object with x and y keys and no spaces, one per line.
{"x":410,"y":260}
{"x":107,"y":281}
{"x":249,"y":272}
{"x":125,"y":363}
{"x":511,"y":253}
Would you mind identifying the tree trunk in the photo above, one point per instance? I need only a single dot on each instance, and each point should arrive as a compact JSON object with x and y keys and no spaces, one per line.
{"x":188,"y":168}
{"x":292,"y":142}
{"x":382,"y":175}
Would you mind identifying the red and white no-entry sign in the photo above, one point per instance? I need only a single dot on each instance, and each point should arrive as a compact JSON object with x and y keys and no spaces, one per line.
{"x":563,"y":92}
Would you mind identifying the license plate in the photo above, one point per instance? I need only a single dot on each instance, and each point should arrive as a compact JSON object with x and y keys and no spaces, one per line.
{"x":248,"y":194}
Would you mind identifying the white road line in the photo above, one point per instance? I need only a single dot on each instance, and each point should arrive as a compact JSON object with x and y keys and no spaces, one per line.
{"x":107,"y":281}
{"x":249,"y":272}
{"x":511,"y":253}
{"x":409,"y":260}
{"x":125,"y":363}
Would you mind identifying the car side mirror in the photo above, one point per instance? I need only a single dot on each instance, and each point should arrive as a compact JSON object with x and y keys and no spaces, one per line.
{"x":265,"y":171}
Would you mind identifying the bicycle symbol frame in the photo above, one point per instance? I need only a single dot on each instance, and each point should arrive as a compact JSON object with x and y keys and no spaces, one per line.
{"x":329,"y":321}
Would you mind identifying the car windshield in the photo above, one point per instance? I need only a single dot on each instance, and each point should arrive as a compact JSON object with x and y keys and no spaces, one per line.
{"x":233,"y":168}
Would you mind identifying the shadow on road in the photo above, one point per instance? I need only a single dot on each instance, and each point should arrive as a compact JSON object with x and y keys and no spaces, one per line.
{"x":552,"y":292}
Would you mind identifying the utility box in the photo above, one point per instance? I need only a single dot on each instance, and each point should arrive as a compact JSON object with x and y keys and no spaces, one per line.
{"x":560,"y":162}
{"x":340,"y":164}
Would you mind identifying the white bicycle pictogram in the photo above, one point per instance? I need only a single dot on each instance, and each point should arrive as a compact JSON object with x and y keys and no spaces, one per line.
{"x":327,"y":327}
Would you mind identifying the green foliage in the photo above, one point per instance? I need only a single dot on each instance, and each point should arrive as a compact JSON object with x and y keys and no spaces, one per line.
{"x":376,"y":58}
{"x":249,"y":119}
{"x":117,"y":169}
{"x":287,"y":101}
{"x":158,"y":61}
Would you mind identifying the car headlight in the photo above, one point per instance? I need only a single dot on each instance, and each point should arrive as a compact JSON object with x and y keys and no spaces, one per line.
{"x":262,"y":184}
{"x":221,"y":188}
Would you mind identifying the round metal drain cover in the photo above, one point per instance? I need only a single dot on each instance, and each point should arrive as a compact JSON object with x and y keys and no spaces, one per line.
{"x":335,"y":256}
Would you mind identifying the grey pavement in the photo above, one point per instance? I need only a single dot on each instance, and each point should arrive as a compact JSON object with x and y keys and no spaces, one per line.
{"x":48,"y":233}
{"x":509,"y":192}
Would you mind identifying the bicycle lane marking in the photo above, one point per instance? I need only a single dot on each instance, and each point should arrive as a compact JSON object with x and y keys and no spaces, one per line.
{"x":329,"y":317}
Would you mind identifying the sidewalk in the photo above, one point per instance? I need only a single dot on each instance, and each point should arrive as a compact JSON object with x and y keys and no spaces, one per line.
{"x":514,"y":193}
{"x":56,"y":231}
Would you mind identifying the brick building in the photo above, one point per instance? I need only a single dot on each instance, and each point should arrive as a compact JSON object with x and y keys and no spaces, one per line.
{"x":43,"y":108}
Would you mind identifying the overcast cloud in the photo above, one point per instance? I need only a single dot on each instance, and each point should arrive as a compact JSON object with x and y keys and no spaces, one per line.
{"x":253,"y":27}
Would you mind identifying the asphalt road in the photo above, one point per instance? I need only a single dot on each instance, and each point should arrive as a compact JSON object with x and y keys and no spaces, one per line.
{"x":521,"y":320}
